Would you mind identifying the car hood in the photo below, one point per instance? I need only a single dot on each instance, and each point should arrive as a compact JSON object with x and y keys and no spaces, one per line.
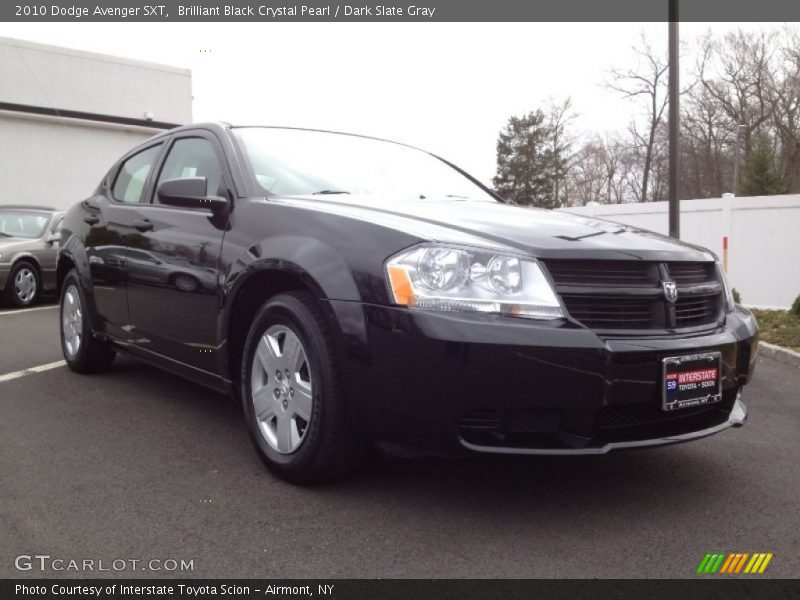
{"x":542,"y":233}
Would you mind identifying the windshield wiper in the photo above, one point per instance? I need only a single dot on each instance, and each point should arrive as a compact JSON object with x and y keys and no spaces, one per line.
{"x":452,"y":196}
{"x":327,"y":192}
{"x":3,"y":234}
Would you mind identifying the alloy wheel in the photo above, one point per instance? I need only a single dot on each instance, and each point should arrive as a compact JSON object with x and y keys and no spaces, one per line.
{"x":72,"y":321}
{"x":25,"y":285}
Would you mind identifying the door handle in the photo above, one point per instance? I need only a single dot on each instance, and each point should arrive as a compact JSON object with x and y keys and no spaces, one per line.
{"x":91,"y":219}
{"x":143,"y":225}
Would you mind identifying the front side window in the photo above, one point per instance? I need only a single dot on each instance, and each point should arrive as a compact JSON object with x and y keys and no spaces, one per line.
{"x":132,"y":176}
{"x":289,"y":162}
{"x":22,"y":224}
{"x":193,"y":157}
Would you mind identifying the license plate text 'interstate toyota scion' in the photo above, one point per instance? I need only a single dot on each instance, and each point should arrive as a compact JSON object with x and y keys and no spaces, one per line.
{"x":691,"y":381}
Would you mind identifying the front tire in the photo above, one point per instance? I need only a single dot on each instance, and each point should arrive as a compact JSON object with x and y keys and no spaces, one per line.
{"x":23,"y":286}
{"x":82,"y":351}
{"x":292,"y":400}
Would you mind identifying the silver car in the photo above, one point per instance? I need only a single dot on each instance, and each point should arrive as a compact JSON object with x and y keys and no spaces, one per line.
{"x":28,"y":244}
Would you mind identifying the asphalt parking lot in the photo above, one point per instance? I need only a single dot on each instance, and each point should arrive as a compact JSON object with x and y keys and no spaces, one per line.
{"x":138,"y":464}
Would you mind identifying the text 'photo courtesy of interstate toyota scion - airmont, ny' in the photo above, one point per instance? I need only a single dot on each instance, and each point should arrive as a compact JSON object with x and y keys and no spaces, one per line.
{"x":353,"y":292}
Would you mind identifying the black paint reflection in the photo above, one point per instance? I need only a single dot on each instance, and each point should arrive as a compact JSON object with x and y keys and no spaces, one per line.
{"x":172,"y":284}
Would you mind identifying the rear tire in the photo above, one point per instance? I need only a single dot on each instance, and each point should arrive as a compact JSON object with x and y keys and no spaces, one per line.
{"x":23,"y":286}
{"x":83,"y":352}
{"x":289,"y":334}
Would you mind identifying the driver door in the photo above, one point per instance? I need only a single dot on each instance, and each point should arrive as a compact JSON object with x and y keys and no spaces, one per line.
{"x":173,"y":259}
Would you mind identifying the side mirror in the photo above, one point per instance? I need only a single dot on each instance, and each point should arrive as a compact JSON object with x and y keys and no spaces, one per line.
{"x":53,"y":238}
{"x":189,"y":192}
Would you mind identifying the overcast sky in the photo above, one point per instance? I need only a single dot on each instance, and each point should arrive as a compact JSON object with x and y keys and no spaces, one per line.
{"x":446,"y":87}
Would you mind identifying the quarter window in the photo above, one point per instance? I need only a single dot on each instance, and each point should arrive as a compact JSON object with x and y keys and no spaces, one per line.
{"x":193,"y":157}
{"x":132,"y":176}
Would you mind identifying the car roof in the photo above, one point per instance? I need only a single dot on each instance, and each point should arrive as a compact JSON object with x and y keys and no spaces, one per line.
{"x":28,"y":207}
{"x":221,"y":126}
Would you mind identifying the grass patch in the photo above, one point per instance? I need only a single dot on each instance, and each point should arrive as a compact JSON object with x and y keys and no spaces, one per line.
{"x":779,"y":327}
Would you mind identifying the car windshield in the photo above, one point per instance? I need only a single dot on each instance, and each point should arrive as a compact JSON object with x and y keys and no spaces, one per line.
{"x":289,"y":162}
{"x":22,"y":224}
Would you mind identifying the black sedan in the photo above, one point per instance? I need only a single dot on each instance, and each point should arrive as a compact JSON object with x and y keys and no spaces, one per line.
{"x":351,"y":291}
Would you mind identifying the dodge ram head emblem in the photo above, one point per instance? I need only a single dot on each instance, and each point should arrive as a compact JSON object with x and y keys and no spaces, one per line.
{"x":670,"y":290}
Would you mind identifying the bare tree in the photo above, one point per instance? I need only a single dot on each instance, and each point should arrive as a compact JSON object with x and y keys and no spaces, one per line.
{"x":735,"y":73}
{"x":745,"y":88}
{"x":783,"y":92}
{"x":604,"y":169}
{"x":559,"y":117}
{"x":588,"y":181}
{"x":646,"y":83}
{"x":615,"y":154}
{"x":708,"y":138}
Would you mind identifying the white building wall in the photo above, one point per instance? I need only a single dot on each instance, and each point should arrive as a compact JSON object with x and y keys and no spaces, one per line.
{"x":57,"y":161}
{"x":763,"y":239}
{"x":51,"y":76}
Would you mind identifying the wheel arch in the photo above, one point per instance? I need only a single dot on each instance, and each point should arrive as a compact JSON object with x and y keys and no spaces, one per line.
{"x":73,"y":256}
{"x":257,"y":284}
{"x":277,"y":264}
{"x":27,"y":257}
{"x":64,"y":265}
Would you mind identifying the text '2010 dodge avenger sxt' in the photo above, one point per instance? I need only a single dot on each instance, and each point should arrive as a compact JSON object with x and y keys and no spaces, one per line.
{"x":350,"y":290}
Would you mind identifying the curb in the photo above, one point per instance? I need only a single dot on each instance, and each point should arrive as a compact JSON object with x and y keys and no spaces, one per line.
{"x":779,"y":353}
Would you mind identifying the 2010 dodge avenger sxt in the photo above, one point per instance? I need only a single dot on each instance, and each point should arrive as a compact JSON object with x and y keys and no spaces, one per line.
{"x":351,"y":290}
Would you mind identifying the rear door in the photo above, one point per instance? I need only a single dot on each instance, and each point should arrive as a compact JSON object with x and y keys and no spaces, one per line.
{"x":110,"y":217}
{"x":173,"y":264}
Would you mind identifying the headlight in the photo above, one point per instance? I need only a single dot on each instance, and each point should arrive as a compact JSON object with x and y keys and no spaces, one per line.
{"x":729,"y":303}
{"x":440,"y":277}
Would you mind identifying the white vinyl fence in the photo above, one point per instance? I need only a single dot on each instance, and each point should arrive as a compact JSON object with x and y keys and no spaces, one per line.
{"x":763,"y":239}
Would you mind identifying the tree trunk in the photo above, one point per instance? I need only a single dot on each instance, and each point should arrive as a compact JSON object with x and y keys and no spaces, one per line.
{"x":648,"y":160}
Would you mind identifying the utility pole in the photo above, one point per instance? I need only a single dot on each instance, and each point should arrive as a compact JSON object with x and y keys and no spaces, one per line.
{"x":674,"y":123}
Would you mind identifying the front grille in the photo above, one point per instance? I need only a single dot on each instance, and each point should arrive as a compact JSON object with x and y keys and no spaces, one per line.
{"x":633,"y":415}
{"x":618,"y":296}
{"x":645,"y":421}
{"x":667,"y":427}
{"x":519,"y":427}
{"x":576,"y":272}
{"x":482,"y":422}
{"x":689,"y":273}
{"x":542,"y":428}
{"x":605,"y":312}
{"x":691,"y":311}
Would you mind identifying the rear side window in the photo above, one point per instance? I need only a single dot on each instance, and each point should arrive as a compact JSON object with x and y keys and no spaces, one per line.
{"x":132,"y":176}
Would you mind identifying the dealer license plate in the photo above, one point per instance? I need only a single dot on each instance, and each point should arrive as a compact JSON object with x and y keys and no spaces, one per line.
{"x":691,"y":380}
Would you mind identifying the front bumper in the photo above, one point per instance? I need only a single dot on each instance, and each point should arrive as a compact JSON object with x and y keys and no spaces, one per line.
{"x":736,"y":418}
{"x":446,"y":383}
